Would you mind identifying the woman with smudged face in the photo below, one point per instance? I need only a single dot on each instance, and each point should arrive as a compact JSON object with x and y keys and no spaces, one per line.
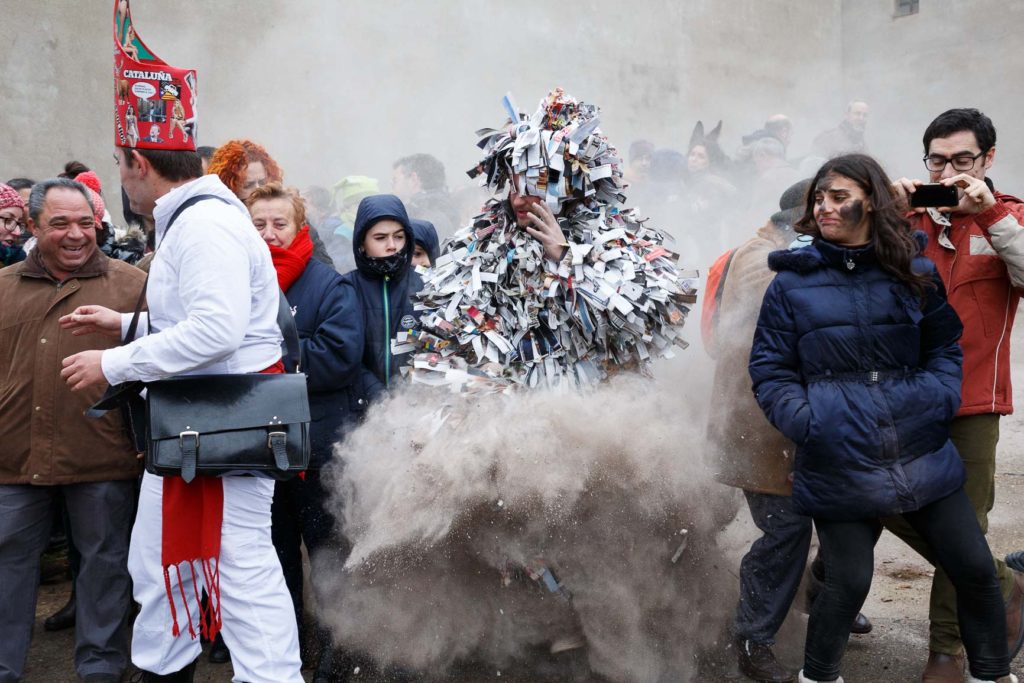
{"x":856,"y":359}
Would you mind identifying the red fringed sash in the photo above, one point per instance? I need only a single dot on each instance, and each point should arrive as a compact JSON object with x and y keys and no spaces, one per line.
{"x":192,"y":517}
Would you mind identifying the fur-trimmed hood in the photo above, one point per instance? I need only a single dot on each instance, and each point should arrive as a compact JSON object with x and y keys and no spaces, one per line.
{"x":822,"y":253}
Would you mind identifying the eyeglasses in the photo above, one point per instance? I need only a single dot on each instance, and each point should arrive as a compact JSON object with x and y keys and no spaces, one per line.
{"x":12,"y":224}
{"x":961,"y":162}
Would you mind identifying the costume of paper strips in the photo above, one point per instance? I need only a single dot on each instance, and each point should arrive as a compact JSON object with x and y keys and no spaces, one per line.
{"x":155,"y":104}
{"x":496,"y":314}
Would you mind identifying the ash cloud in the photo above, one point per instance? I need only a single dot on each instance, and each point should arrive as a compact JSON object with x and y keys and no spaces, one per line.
{"x":598,"y":486}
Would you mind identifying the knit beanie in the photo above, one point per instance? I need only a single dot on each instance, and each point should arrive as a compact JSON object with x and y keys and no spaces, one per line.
{"x":92,"y":184}
{"x":10,"y":197}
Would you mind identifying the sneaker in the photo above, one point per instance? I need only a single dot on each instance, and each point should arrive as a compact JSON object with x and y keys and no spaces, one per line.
{"x":803,"y":679}
{"x":1004,"y":679}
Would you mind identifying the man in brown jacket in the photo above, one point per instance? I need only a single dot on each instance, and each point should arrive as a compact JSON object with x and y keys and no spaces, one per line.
{"x":50,"y":448}
{"x":748,"y":453}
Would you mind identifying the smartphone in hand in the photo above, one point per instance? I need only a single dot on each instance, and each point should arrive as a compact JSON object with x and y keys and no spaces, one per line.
{"x":934,"y":194}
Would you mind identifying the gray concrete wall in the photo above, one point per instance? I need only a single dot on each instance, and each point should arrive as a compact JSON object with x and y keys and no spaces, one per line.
{"x":951,"y":54}
{"x":338,"y":88}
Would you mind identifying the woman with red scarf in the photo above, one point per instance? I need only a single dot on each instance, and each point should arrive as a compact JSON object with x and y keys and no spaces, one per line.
{"x":313,"y":290}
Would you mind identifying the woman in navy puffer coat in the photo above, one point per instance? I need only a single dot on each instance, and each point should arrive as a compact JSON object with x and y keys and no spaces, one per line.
{"x":855,"y":358}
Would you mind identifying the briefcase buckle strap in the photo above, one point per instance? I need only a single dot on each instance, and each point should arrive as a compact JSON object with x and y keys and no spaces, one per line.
{"x":276,"y":442}
{"x":189,"y":443}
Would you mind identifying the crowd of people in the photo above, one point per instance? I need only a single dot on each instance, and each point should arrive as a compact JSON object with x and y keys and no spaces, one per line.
{"x":863,"y":346}
{"x":835,"y":343}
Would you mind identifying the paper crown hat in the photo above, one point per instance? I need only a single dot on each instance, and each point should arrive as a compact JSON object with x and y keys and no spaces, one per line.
{"x":155,"y":104}
{"x":558,"y":154}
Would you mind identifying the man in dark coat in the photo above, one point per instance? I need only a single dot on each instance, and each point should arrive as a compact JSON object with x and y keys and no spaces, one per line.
{"x":847,"y":137}
{"x":419,"y":181}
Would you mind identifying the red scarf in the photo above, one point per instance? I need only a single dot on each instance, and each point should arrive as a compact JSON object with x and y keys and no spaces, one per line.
{"x":192,"y":517}
{"x":291,"y":261}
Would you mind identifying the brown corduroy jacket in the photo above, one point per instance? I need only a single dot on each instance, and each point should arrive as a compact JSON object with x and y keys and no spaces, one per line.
{"x":45,"y":437}
{"x":744,"y":449}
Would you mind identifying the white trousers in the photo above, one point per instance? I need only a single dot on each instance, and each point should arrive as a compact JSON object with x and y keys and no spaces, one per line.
{"x":259,"y":621}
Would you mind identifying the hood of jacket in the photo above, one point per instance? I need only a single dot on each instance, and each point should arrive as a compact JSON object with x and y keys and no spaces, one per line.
{"x":373,"y":209}
{"x":426,"y":237}
{"x":822,"y":253}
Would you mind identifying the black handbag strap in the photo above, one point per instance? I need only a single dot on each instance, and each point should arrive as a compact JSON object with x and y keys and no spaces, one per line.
{"x":133,"y":327}
{"x":286,"y":321}
{"x":122,"y":394}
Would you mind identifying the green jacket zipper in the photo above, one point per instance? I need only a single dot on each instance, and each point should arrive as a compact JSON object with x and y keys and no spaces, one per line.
{"x":387,"y":335}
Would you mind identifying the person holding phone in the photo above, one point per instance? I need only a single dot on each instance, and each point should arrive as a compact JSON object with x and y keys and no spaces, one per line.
{"x":855,"y":359}
{"x":978,"y":247}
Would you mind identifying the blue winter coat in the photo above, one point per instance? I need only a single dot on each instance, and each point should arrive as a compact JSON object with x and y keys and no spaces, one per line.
{"x":316,"y":301}
{"x":377,"y":308}
{"x":847,"y":364}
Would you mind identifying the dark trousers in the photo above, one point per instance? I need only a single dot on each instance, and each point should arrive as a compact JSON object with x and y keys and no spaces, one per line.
{"x":975,"y":438}
{"x":299,"y":514}
{"x":100,"y":514}
{"x":951,"y":530}
{"x":771,"y":570}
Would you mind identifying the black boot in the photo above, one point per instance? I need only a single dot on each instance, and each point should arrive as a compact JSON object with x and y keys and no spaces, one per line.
{"x":184,"y":676}
{"x":335,"y":666}
{"x":757,"y":662}
{"x":219,"y":653}
{"x":64,"y":618}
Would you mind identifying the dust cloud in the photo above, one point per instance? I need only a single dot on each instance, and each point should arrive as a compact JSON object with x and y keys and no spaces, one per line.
{"x":449,"y":522}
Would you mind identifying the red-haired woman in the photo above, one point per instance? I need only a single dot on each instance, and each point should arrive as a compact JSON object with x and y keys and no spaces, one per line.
{"x":244,"y":166}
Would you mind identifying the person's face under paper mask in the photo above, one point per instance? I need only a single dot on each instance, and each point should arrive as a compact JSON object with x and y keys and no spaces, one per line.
{"x":275,"y":221}
{"x":521,"y":203}
{"x":841,"y":210}
{"x":255,"y":176}
{"x":65,"y":231}
{"x":420,"y":257}
{"x":697,"y":160}
{"x":384,"y":238}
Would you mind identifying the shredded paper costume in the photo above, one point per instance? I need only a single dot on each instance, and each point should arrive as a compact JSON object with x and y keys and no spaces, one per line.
{"x":496,"y":315}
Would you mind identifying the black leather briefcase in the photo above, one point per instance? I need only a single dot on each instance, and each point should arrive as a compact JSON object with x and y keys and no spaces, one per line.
{"x":215,"y":424}
{"x":218,"y":424}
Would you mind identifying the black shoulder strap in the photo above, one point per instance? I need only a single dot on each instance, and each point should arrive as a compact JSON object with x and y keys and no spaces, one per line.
{"x":133,"y":327}
{"x":286,"y":321}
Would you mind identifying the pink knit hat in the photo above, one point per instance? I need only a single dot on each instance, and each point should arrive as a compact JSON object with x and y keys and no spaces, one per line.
{"x":9,"y":197}
{"x":92,"y":184}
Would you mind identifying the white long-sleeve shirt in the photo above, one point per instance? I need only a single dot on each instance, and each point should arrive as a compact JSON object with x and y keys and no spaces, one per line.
{"x":212,"y":294}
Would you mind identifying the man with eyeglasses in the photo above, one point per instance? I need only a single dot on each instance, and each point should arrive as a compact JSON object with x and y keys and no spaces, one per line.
{"x":978,"y":247}
{"x":12,"y":223}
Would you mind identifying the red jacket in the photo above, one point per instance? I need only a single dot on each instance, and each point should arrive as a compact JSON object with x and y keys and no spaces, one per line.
{"x":981,"y":260}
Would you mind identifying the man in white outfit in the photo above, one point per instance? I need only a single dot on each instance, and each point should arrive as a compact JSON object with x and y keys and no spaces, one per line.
{"x":213,"y":301}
